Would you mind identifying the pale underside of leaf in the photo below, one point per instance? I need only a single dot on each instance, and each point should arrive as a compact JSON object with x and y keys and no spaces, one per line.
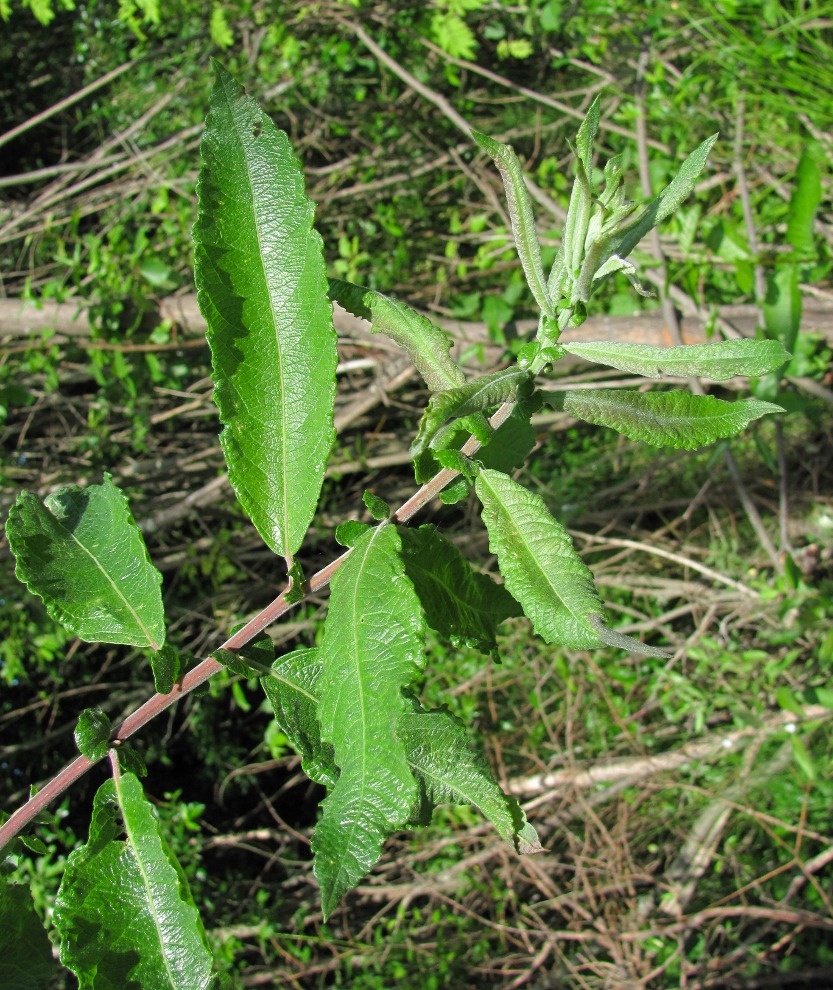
{"x":718,"y":361}
{"x":665,"y":419}
{"x":262,"y":288}
{"x":540,"y":566}
{"x":428,"y":347}
{"x":83,"y":554}
{"x":124,"y":911}
{"x":521,"y":217}
{"x":371,"y":651}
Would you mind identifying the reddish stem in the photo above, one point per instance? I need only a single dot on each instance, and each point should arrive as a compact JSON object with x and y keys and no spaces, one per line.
{"x":206,"y":669}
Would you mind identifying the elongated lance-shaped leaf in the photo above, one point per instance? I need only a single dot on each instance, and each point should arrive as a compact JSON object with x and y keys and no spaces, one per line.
{"x":82,"y":553}
{"x":718,"y":361}
{"x":372,"y":650}
{"x":586,"y":135}
{"x":464,"y":606}
{"x":293,"y":693}
{"x":26,"y":961}
{"x":521,"y":217}
{"x":262,"y":288}
{"x":541,"y":567}
{"x":473,"y":397}
{"x":668,"y":202}
{"x":428,"y":347}
{"x":450,"y":771}
{"x":124,"y":910}
{"x":611,"y":637}
{"x":663,"y":419}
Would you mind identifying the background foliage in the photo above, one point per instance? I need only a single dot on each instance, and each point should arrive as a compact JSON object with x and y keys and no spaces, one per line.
{"x":684,"y":804}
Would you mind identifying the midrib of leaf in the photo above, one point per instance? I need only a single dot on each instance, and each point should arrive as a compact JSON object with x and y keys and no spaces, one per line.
{"x":115,"y":588}
{"x":134,"y":844}
{"x":256,"y":212}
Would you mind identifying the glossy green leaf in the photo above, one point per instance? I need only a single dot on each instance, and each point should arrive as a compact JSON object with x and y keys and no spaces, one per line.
{"x":718,"y":361}
{"x":124,"y":911}
{"x":262,"y":288}
{"x":473,"y":397}
{"x":92,"y":734}
{"x":293,"y":693}
{"x":667,"y":203}
{"x":521,"y":217}
{"x":462,"y":605}
{"x":377,"y":507}
{"x":82,"y":553}
{"x":450,"y":771}
{"x":428,"y":347}
{"x":26,"y":961}
{"x":538,"y":561}
{"x":372,"y":649}
{"x":664,"y":419}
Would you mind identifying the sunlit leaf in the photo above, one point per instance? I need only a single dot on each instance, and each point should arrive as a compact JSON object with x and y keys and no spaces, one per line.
{"x":372,"y":649}
{"x":262,"y":288}
{"x":428,"y":347}
{"x":82,"y":553}
{"x":718,"y":361}
{"x":663,"y":419}
{"x":92,"y":734}
{"x":124,"y":910}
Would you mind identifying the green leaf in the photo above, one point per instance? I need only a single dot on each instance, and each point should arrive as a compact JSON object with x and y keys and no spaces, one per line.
{"x":663,"y":419}
{"x":124,"y":911}
{"x":667,"y":203}
{"x":165,"y":664}
{"x":292,"y":692}
{"x":347,"y":533}
{"x":782,"y":305}
{"x":805,"y":201}
{"x":219,"y":29}
{"x":428,"y":347}
{"x":92,"y":734}
{"x":372,"y":649}
{"x":262,"y":288}
{"x":586,"y":135}
{"x":26,"y":961}
{"x":521,"y":217}
{"x":539,"y":563}
{"x":473,"y":397}
{"x":464,"y":606}
{"x":510,"y":444}
{"x":451,"y":772}
{"x":82,"y":553}
{"x":377,"y":507}
{"x":718,"y":361}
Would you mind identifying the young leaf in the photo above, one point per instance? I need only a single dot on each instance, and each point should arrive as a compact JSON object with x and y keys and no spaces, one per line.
{"x":82,"y":553}
{"x":26,"y":961}
{"x":460,"y":604}
{"x":664,"y":419}
{"x":667,"y":203}
{"x":521,"y":217}
{"x":92,"y":734}
{"x":538,"y":561}
{"x":165,"y":664}
{"x":292,"y":691}
{"x":451,"y":772}
{"x":377,"y":507}
{"x":473,"y":397}
{"x":124,"y":911}
{"x":262,"y":288}
{"x":372,"y":649}
{"x":428,"y":347}
{"x":718,"y":361}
